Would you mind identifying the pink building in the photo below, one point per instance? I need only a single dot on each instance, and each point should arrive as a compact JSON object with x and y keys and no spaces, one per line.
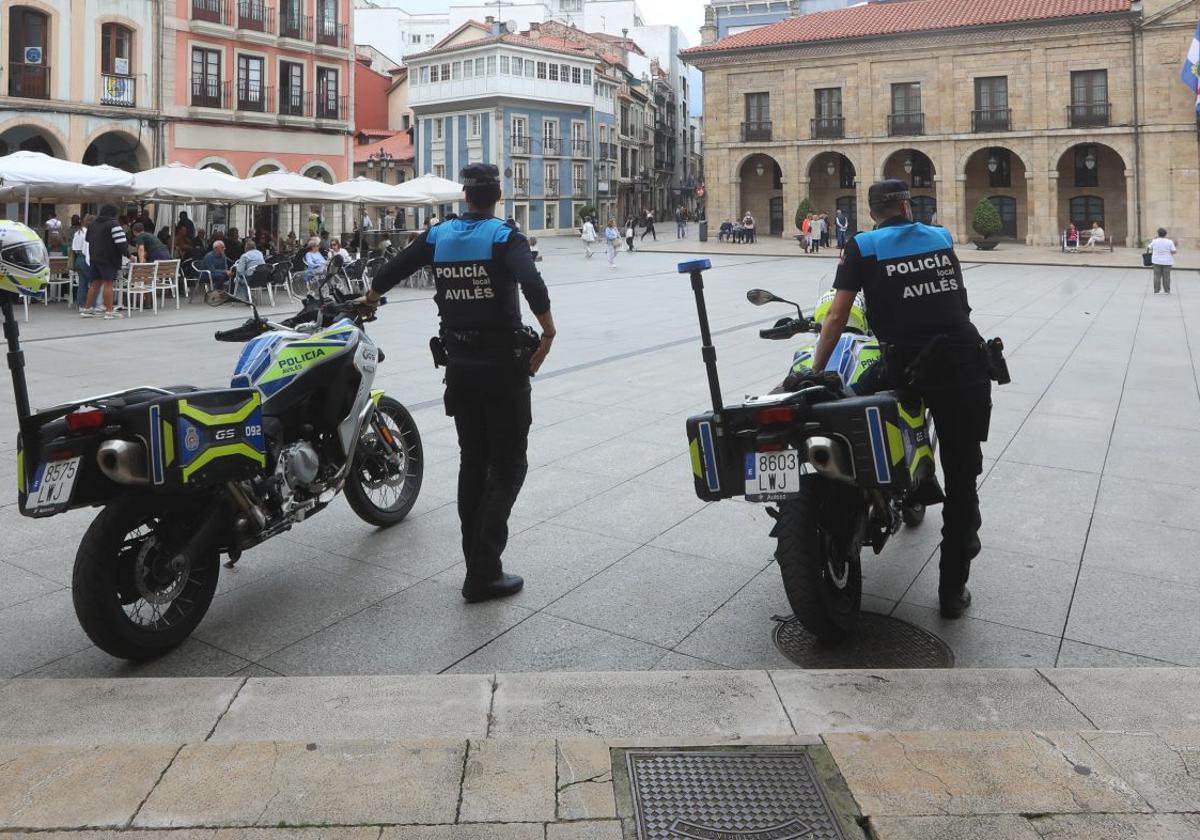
{"x":254,"y":86}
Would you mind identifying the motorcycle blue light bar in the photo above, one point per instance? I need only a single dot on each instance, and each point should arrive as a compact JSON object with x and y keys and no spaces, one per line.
{"x":693,"y":265}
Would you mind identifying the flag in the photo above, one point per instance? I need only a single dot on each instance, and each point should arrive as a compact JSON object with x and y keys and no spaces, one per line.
{"x":1191,"y":67}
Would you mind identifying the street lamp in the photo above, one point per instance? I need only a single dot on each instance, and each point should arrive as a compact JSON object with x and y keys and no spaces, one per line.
{"x":382,"y":161}
{"x":831,"y":167}
{"x":908,"y":165}
{"x":1089,"y":160}
{"x":993,"y":164}
{"x":760,"y":169}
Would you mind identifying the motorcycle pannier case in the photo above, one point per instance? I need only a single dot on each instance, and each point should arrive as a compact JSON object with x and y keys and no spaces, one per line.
{"x":876,"y":436}
{"x":713,"y":458}
{"x":202,"y":438}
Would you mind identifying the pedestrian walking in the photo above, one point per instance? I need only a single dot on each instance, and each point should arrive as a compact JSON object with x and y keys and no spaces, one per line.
{"x":629,"y":231}
{"x":589,"y":237}
{"x":611,"y":236}
{"x":478,"y":264}
{"x":79,"y":251}
{"x":1162,"y":257}
{"x":680,"y":223}
{"x":816,"y":231}
{"x":648,"y":221}
{"x":843,"y":229}
{"x":806,"y":232}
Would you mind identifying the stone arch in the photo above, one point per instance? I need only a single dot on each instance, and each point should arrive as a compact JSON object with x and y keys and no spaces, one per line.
{"x":138,"y":149}
{"x":1106,"y":180}
{"x":262,"y":164}
{"x":741,"y":162}
{"x":1007,"y":188}
{"x":761,"y":195}
{"x":32,"y":125}
{"x":217,"y":162}
{"x":922,"y":181}
{"x":1120,"y":145}
{"x":320,"y":165}
{"x":828,"y":191}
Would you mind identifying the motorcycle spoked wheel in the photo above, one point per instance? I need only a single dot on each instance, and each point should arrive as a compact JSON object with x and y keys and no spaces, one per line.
{"x":136,"y":594}
{"x":386,"y":476}
{"x":818,"y":551}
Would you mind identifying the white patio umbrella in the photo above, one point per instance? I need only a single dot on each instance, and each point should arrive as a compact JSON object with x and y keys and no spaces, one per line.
{"x":292,"y":186}
{"x":432,"y":188}
{"x":27,"y":175}
{"x":367,"y":191}
{"x":177,"y":182}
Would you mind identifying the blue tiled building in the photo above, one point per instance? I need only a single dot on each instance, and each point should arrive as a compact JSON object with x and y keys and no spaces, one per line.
{"x":538,"y":109}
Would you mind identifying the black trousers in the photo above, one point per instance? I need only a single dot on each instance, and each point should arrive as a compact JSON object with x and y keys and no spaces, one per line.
{"x":492,"y":413}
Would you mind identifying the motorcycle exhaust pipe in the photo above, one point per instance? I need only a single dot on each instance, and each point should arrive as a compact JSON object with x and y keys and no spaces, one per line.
{"x":123,"y":462}
{"x":828,"y":459}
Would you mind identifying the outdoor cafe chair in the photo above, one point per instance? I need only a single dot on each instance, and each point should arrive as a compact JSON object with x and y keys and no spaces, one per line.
{"x":166,"y":281}
{"x":140,"y":280}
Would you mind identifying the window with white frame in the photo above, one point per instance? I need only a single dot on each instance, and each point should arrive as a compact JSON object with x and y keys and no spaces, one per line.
{"x":504,"y":65}
{"x":578,"y":177}
{"x":467,"y":66}
{"x":576,"y":76}
{"x":587,"y":76}
{"x":554,"y":72}
{"x":529,"y":72}
{"x":565,"y":72}
{"x":479,"y":66}
{"x":520,"y":177}
{"x":425,"y":74}
{"x":475,"y":125}
{"x":445,"y":71}
{"x":429,"y":38}
{"x":491,"y":65}
{"x":414,"y":39}
{"x":438,"y":129}
{"x":551,"y":173}
{"x":435,"y":73}
{"x":456,"y":71}
{"x":439,"y":169}
{"x":541,"y":70}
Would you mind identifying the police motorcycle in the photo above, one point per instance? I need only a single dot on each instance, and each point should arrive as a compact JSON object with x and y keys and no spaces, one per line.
{"x":185,"y":475}
{"x":843,"y":470}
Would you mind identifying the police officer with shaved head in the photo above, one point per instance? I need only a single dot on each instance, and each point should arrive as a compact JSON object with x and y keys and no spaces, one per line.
{"x":479,"y":263}
{"x":917,"y":305}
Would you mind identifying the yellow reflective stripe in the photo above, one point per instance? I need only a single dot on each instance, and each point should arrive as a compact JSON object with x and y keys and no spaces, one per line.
{"x":697,"y":470}
{"x":376,"y":396}
{"x":914,"y":421}
{"x":209,"y":455}
{"x":20,"y":470}
{"x":168,"y":435}
{"x":895,"y":442}
{"x":207,"y":419}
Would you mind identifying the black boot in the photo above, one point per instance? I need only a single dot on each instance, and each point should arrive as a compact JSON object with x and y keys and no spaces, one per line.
{"x":954,"y":603}
{"x":500,"y":587}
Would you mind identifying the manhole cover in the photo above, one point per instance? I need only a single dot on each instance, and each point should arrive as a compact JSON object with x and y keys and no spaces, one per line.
{"x":727,"y":795}
{"x":880,"y":641}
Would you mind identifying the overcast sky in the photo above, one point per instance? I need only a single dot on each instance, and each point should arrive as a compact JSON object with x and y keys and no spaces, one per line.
{"x":688,"y":15}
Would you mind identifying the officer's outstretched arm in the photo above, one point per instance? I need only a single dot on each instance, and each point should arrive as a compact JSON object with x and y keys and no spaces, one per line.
{"x":415,"y":256}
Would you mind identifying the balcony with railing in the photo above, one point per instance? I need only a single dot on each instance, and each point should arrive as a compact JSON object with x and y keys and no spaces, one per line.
{"x":330,"y":106}
{"x":581,"y":148}
{"x":906,"y":123}
{"x":579,"y":187}
{"x":292,"y":25}
{"x":210,"y":92}
{"x":1089,"y":115}
{"x":521,"y":187}
{"x":255,"y":98}
{"x":331,"y":33}
{"x":551,"y":190}
{"x":756,"y":132}
{"x":551,"y":146}
{"x":212,"y":11}
{"x":29,"y":81}
{"x":118,"y":90}
{"x":829,"y":128}
{"x":520,"y":144}
{"x":256,"y":16}
{"x":294,"y":102}
{"x":991,"y":119}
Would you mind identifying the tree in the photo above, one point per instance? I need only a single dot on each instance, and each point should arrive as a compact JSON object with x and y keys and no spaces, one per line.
{"x":805,"y":208}
{"x":584,"y":212}
{"x":986,"y":219}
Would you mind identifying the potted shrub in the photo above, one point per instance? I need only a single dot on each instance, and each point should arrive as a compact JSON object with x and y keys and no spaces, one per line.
{"x":986,"y":221}
{"x":805,"y":208}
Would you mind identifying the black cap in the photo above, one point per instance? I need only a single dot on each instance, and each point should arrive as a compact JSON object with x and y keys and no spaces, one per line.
{"x":889,"y":191}
{"x":479,"y":175}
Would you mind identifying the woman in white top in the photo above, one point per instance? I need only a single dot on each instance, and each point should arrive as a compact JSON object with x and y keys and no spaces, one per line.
{"x":589,"y":236}
{"x":1162,"y":257}
{"x":1095,"y":236}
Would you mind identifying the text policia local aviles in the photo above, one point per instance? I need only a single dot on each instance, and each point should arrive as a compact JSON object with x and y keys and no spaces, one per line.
{"x":477,"y":274}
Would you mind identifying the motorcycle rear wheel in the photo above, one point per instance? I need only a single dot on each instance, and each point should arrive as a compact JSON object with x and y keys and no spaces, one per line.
{"x":379,"y":491}
{"x":132,"y":599}
{"x":818,"y":552}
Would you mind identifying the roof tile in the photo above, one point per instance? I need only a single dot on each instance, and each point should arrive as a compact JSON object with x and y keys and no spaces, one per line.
{"x":874,"y":19}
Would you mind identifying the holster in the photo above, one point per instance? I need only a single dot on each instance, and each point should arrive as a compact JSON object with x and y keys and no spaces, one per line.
{"x":500,"y":349}
{"x":437,"y":348}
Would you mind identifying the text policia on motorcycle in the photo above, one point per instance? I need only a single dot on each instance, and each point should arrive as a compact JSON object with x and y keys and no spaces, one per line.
{"x":917,"y":304}
{"x":478,"y":262}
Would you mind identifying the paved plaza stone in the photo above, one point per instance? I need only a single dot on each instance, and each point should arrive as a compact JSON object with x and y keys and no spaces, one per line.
{"x":1090,"y":500}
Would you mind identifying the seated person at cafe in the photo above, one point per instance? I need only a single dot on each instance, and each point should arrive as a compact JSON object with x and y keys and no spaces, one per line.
{"x":726,"y":232}
{"x":216,"y":264}
{"x":314,"y":261}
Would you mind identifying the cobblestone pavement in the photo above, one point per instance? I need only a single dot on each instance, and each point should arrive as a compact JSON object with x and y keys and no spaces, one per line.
{"x":1089,"y":501}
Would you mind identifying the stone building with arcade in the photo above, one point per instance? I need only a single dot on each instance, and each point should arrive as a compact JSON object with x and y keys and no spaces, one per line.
{"x":1058,"y":112}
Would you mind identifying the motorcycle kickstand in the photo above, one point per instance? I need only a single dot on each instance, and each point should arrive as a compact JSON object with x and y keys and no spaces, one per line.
{"x":234,"y":556}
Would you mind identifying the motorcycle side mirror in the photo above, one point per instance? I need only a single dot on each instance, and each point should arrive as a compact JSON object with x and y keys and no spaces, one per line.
{"x":760,"y":297}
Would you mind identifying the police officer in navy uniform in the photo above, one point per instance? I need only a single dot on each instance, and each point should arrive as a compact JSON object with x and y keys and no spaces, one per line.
{"x":917,"y":306}
{"x":478,"y":263}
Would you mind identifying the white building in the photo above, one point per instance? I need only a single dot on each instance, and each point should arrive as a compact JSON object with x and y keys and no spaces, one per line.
{"x":397,"y":28}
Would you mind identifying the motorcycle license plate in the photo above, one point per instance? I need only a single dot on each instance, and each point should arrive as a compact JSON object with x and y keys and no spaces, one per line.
{"x":773,"y":476}
{"x":52,"y":484}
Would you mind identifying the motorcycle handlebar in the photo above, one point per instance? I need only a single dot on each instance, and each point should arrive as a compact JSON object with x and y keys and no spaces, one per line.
{"x":251,"y":329}
{"x":784,"y":329}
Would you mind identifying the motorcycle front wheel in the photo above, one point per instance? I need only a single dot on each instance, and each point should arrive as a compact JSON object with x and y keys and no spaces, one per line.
{"x":385,"y":477}
{"x":818,"y":551}
{"x":137,"y":594}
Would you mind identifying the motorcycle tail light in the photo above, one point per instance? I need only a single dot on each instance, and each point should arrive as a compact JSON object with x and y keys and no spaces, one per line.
{"x":85,"y":420}
{"x":776,"y":415}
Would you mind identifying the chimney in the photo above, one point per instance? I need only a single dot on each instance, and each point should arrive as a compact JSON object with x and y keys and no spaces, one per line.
{"x":708,"y":32}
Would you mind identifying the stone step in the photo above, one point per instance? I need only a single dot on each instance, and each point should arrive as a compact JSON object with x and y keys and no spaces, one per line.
{"x":645,"y":705}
